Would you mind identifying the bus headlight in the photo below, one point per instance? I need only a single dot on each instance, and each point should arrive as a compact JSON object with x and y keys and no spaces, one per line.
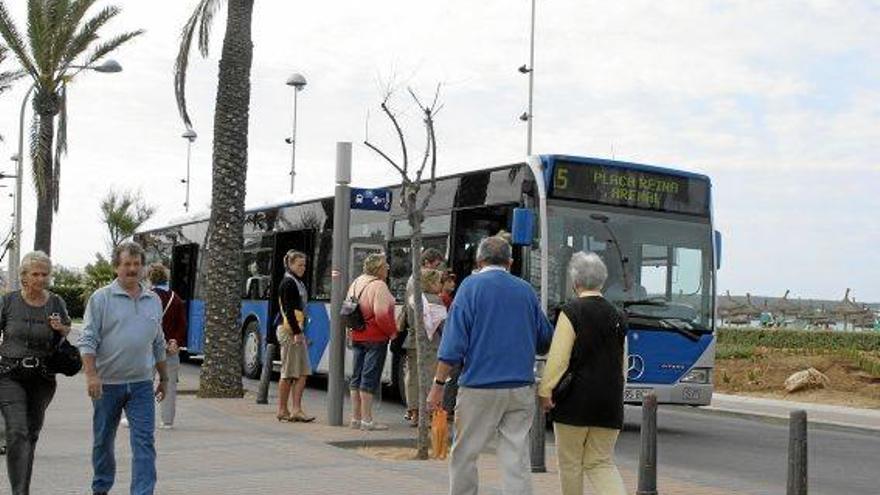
{"x":697,"y":375}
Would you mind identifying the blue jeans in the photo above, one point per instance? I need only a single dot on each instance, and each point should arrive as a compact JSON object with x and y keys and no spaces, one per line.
{"x":369,"y":359}
{"x":136,"y":399}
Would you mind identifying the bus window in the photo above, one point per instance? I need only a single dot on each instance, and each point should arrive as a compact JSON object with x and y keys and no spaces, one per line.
{"x":471,"y":227}
{"x":400,"y":260}
{"x":257,"y":269}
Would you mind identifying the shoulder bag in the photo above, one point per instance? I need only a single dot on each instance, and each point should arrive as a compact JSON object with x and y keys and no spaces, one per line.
{"x":65,"y":358}
{"x":350,"y":312}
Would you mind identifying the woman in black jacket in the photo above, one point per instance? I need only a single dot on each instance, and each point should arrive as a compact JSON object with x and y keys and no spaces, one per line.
{"x":587,"y":360}
{"x":32,"y":321}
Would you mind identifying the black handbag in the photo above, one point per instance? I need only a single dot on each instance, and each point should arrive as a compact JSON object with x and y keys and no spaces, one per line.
{"x":563,"y":388}
{"x":65,"y":359}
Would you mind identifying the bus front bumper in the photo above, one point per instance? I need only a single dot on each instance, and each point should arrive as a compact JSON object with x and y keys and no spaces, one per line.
{"x":691,"y":394}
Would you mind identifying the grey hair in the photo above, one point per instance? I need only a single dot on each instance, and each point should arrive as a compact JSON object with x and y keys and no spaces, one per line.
{"x":494,"y":251}
{"x":587,"y":271}
{"x":130,"y":248}
{"x":34,"y":258}
{"x":374,"y":263}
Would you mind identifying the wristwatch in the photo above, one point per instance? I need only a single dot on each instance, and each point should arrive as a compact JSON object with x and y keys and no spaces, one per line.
{"x":438,"y":381}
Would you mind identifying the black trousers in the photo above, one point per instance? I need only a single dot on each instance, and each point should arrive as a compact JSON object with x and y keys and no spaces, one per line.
{"x":23,"y":402}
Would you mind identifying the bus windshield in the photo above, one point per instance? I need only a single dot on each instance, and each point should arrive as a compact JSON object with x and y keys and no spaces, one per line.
{"x":659,"y":271}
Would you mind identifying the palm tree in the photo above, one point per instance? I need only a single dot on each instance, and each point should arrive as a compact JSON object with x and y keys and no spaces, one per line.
{"x":61,"y":42}
{"x":6,"y":77}
{"x":221,"y":370}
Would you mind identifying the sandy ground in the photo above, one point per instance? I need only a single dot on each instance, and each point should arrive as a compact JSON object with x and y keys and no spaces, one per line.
{"x":764,"y":374}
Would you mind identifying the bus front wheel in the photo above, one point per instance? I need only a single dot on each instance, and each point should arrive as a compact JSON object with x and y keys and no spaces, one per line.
{"x":250,"y":350}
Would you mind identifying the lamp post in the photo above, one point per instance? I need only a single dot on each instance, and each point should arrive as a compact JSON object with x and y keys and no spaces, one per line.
{"x":108,"y":67}
{"x":298,"y":82}
{"x":527,"y":117}
{"x":190,"y":136}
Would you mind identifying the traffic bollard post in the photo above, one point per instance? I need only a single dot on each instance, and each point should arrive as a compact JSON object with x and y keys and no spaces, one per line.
{"x":266,"y":375}
{"x":797,"y":453}
{"x":539,"y":426}
{"x":648,"y":454}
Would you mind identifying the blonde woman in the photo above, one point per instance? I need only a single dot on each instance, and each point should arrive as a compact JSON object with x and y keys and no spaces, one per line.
{"x":295,"y":366}
{"x":32,"y":322}
{"x":370,"y":345}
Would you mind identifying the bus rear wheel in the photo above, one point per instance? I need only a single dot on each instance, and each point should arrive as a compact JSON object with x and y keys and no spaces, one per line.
{"x":251,"y":364}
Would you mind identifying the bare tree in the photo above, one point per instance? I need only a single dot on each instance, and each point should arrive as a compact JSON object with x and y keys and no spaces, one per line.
{"x":414,"y":202}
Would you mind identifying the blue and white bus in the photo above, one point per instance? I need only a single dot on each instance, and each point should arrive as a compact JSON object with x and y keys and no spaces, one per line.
{"x":651,"y":225}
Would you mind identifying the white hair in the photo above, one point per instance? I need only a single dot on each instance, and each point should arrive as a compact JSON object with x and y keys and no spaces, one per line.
{"x":34,"y":258}
{"x":587,"y":271}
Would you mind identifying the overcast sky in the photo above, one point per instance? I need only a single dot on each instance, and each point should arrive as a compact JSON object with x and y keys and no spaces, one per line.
{"x":778,"y":102}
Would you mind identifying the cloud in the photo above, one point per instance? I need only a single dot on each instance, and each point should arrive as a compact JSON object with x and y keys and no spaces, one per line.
{"x":777,"y":101}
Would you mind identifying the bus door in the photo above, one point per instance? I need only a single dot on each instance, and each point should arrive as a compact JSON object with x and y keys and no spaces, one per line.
{"x":301,"y":240}
{"x":471,"y":226}
{"x":184,"y":267}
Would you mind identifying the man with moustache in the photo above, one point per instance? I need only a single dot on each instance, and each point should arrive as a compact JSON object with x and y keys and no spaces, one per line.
{"x":123,"y":348}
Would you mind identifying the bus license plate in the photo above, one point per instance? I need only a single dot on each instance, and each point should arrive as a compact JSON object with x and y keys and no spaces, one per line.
{"x":635,"y":394}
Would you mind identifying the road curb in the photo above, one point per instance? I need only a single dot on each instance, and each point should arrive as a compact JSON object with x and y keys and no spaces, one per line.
{"x":783,"y":420}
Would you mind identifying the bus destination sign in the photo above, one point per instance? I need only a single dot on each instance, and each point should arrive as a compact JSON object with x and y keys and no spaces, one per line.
{"x":630,"y":187}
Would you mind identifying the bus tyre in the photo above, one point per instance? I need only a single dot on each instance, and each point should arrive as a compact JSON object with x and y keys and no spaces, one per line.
{"x":250,"y":351}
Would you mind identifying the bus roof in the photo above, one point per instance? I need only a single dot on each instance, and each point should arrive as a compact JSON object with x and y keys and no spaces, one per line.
{"x":548,"y":160}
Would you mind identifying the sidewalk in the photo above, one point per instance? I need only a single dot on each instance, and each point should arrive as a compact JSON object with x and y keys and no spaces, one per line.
{"x":237,"y":447}
{"x":820,"y":414}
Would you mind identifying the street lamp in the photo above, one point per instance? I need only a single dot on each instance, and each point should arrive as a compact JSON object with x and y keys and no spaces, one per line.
{"x":528,"y":116}
{"x":298,"y":82}
{"x":190,"y":136}
{"x":107,"y":67}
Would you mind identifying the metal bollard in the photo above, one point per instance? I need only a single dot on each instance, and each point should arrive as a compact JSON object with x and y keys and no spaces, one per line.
{"x":539,"y":426}
{"x":797,"y":453}
{"x":266,"y":375}
{"x":648,"y":455}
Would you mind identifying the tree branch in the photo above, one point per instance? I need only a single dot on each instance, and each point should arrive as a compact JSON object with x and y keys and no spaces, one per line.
{"x":388,"y":159}
{"x":397,"y":128}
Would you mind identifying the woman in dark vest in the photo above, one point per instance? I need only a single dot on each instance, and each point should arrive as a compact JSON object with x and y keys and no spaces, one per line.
{"x":32,"y":322}
{"x":587,"y":408}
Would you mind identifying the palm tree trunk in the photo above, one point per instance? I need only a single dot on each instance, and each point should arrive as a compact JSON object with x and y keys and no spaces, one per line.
{"x":221,"y":370}
{"x":43,"y":173}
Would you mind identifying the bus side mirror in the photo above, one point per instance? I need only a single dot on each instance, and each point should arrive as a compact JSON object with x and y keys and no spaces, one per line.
{"x":523,"y":228}
{"x":717,"y":250}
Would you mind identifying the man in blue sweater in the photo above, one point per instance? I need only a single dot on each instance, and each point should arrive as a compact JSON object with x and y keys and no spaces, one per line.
{"x":494,"y":330}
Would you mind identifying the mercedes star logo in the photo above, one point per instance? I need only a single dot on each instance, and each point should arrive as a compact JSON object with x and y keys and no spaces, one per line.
{"x":636,"y":367}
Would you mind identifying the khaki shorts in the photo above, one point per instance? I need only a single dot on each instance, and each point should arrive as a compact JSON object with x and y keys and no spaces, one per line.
{"x":295,"y":360}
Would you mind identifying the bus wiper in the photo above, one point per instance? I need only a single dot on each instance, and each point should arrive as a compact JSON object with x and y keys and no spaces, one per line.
{"x":660,"y":303}
{"x":684,"y":327}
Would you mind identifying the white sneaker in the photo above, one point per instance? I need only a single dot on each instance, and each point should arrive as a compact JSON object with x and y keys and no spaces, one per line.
{"x":124,"y":422}
{"x":355,"y":424}
{"x":372,"y":426}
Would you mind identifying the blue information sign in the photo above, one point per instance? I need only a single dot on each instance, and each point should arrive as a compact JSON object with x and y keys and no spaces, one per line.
{"x":371,"y":199}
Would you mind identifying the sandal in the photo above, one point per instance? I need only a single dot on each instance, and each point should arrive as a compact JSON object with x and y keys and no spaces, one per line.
{"x":286,"y":417}
{"x":301,"y":417}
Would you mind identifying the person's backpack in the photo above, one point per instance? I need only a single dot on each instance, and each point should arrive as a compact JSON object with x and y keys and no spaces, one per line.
{"x":350,"y":312}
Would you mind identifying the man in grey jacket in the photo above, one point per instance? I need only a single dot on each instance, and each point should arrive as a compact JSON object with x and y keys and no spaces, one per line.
{"x":122,"y":344}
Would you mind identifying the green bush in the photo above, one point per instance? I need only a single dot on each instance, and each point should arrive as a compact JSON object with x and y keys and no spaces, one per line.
{"x":865,"y":361}
{"x":73,"y":298}
{"x":733,"y":351}
{"x":799,"y":339}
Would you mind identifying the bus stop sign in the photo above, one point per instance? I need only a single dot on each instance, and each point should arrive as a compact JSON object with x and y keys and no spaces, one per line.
{"x":371,"y":199}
